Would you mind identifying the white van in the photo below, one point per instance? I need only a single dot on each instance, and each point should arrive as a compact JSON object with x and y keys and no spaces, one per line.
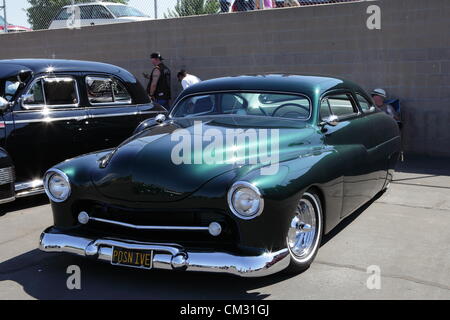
{"x":95,"y":13}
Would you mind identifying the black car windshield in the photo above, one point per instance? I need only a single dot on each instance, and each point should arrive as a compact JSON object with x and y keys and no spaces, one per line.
{"x":265,"y":104}
{"x":125,"y":11}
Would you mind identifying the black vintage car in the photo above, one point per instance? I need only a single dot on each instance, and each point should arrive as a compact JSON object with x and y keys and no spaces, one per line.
{"x":199,"y":192}
{"x":52,"y":110}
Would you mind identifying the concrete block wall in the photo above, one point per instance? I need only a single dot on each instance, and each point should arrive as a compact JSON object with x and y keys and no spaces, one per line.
{"x":409,"y":56}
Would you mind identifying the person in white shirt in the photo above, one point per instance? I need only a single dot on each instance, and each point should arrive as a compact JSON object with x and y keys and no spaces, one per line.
{"x":187,"y":79}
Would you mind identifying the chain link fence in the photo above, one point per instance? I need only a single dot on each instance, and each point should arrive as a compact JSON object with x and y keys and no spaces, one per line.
{"x":53,"y":14}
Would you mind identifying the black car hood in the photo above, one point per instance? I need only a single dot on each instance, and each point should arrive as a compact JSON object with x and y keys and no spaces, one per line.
{"x":142,"y":169}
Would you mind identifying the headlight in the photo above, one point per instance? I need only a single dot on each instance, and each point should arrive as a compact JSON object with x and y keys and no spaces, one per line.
{"x":57,"y":185}
{"x":245,"y":200}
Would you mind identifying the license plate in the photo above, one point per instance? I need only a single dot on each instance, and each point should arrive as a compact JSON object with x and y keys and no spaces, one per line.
{"x":132,"y":258}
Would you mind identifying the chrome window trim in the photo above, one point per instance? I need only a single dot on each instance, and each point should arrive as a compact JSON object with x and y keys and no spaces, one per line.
{"x":112,"y":103}
{"x":352,"y":100}
{"x":249,"y":91}
{"x":148,"y":227}
{"x":45,"y":105}
{"x":371,"y":109}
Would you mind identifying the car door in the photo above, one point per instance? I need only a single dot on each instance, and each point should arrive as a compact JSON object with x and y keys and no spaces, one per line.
{"x":48,"y":125}
{"x":113,"y":116}
{"x":351,"y":137}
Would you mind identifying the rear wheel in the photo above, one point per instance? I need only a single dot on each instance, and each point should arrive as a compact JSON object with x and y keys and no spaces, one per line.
{"x":305,"y":232}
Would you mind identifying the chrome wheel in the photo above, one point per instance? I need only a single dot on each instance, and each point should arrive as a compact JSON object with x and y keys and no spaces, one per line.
{"x":304,"y":231}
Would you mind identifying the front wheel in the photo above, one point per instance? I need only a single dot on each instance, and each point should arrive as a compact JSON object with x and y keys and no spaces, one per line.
{"x":305,"y":232}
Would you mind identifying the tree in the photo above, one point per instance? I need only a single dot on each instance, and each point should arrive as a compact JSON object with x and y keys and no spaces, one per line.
{"x":42,"y":12}
{"x":193,"y":7}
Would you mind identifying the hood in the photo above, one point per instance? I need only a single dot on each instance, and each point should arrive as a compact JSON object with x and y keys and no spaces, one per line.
{"x":172,"y":161}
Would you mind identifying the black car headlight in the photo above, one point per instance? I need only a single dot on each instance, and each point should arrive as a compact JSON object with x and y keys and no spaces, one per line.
{"x":245,"y":200}
{"x":57,"y":185}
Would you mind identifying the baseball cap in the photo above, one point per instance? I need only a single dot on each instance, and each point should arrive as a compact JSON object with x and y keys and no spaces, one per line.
{"x":379,"y":92}
{"x":156,"y":55}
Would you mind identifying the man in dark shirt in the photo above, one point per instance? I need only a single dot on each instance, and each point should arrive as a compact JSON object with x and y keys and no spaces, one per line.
{"x":158,"y":87}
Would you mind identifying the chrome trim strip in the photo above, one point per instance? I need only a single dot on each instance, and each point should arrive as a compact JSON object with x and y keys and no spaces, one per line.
{"x":29,"y":193}
{"x":169,"y":256}
{"x":7,"y":200}
{"x":28,"y":189}
{"x":21,"y":186}
{"x":137,"y":227}
{"x":48,"y":119}
{"x":135,"y":113}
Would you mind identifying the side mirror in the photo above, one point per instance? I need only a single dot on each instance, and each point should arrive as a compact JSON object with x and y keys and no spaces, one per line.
{"x":3,"y":104}
{"x":332,"y":120}
{"x":160,"y":118}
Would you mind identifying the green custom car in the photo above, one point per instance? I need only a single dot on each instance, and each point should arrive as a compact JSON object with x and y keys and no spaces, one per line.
{"x":244,"y":176}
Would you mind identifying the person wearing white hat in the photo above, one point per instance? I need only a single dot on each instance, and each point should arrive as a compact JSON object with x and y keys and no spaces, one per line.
{"x":379,"y":97}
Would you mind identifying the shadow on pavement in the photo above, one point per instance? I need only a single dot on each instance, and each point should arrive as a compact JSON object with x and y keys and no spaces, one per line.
{"x":425,"y":165}
{"x":23,"y":203}
{"x":43,"y":276}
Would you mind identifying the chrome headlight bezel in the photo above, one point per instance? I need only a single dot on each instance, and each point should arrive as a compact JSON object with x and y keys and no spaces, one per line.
{"x":48,"y":175}
{"x":232,"y":192}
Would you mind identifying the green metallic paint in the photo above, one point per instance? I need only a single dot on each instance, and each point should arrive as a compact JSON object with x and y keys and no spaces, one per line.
{"x":349,"y":164}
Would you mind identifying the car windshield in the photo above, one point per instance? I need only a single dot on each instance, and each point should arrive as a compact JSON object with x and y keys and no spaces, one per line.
{"x":125,"y":11}
{"x":266,"y":104}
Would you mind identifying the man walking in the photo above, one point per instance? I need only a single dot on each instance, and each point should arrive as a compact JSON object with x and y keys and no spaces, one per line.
{"x":158,"y":87}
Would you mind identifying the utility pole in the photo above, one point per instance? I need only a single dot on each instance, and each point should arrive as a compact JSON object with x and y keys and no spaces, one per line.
{"x":156,"y":9}
{"x":4,"y":16}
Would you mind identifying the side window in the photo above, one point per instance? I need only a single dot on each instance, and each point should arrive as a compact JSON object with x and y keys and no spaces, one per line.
{"x":103,"y":90}
{"x":364,"y":103}
{"x":120,"y":93}
{"x":60,"y":91}
{"x":99,"y":90}
{"x":325,"y":109}
{"x":63,"y":14}
{"x":86,"y":12}
{"x":34,"y":98}
{"x":52,"y":92}
{"x":341,"y":105}
{"x":100,"y":12}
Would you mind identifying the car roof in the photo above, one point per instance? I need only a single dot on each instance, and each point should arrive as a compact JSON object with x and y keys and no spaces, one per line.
{"x":55,"y":65}
{"x":310,"y":85}
{"x":96,"y":3}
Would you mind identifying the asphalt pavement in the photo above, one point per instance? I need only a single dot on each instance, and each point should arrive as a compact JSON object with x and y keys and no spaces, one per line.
{"x":403,"y":236}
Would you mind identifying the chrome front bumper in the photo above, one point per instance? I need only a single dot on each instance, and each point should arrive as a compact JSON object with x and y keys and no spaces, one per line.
{"x":169,"y":256}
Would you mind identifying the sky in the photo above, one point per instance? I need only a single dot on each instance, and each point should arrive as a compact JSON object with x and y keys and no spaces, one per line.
{"x":16,"y":15}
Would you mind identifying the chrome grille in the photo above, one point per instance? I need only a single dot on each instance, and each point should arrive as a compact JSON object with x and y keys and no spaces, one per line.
{"x":6,"y":175}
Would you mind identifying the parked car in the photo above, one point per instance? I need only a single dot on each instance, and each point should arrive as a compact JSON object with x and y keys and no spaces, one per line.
{"x":96,"y":13}
{"x":136,"y":205}
{"x":52,"y":110}
{"x":11,"y":28}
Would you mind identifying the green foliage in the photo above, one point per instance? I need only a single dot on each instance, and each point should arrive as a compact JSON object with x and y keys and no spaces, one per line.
{"x":193,"y":7}
{"x":42,"y":12}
